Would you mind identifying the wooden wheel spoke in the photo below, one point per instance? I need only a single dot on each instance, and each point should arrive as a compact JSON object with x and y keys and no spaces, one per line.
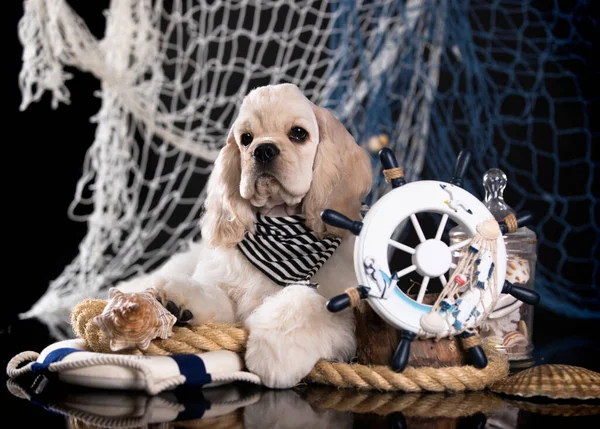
{"x":406,"y":271}
{"x":423,"y":289}
{"x":417,"y":227}
{"x":401,"y":246}
{"x":441,"y":227}
{"x":459,"y":245}
{"x":443,"y":280}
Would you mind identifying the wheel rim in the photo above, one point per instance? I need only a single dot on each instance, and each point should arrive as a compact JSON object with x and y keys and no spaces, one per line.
{"x":431,"y":258}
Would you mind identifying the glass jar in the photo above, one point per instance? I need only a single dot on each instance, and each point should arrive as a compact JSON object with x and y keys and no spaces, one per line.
{"x":509,"y":325}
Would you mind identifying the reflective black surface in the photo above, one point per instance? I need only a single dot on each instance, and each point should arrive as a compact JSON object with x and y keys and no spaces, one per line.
{"x":37,"y":402}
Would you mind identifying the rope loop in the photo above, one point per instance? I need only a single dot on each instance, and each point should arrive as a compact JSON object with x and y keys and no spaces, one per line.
{"x":393,"y":173}
{"x":511,"y":223}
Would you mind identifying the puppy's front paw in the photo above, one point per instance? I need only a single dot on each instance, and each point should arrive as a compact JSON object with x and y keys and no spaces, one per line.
{"x":278,"y":357}
{"x":183,"y":315}
{"x":290,"y":332}
{"x":193,"y":303}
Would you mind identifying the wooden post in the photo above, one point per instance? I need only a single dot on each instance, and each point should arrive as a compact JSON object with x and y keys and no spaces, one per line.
{"x":377,"y":341}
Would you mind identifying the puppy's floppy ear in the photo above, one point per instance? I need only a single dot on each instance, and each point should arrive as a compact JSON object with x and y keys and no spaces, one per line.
{"x":227,"y":215}
{"x":342,"y":175}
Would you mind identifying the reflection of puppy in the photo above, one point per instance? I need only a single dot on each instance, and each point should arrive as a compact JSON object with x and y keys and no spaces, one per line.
{"x":284,"y":157}
{"x":285,"y":409}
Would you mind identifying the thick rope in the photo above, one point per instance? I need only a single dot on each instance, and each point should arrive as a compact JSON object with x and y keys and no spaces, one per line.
{"x":354,"y":296}
{"x":470,"y":342}
{"x":212,"y":337}
{"x":428,"y":405}
{"x":393,"y":173}
{"x":511,"y":223}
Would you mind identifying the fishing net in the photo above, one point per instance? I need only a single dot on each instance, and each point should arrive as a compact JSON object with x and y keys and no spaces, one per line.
{"x":432,"y":76}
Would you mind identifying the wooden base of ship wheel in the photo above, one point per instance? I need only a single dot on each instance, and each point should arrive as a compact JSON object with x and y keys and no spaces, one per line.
{"x":377,"y":341}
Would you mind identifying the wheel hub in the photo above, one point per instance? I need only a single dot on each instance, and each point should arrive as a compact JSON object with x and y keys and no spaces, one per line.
{"x":432,"y":258}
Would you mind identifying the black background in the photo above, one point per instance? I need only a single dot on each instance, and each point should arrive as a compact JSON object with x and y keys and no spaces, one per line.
{"x":43,"y":155}
{"x":46,"y":150}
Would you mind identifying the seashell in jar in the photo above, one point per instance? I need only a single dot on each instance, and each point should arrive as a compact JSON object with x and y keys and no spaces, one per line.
{"x":514,"y":339}
{"x":505,"y":305}
{"x":132,"y":320}
{"x":552,"y":381}
{"x":495,"y":340}
{"x":523,"y":328}
{"x":517,"y":270}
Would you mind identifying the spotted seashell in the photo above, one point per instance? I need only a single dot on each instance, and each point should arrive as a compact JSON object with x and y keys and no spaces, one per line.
{"x":132,"y":320}
{"x":515,"y":338}
{"x":517,"y":270}
{"x":552,"y":381}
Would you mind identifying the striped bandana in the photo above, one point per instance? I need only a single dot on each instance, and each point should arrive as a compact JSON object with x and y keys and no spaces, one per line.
{"x":285,"y":249}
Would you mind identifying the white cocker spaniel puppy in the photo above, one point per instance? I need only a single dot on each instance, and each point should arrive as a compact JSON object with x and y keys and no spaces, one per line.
{"x":285,"y":161}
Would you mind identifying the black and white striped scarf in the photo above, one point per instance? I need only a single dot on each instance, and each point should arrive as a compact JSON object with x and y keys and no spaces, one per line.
{"x":285,"y":249}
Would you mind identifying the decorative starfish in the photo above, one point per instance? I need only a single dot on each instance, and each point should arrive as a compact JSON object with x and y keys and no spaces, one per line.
{"x":452,"y":203}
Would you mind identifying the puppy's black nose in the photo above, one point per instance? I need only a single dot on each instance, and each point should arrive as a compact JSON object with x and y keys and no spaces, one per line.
{"x":265,"y":152}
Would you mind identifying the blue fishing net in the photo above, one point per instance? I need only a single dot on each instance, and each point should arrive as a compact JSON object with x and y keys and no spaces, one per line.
{"x":510,"y":80}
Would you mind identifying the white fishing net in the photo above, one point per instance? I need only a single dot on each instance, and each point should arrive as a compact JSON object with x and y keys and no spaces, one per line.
{"x":173,"y":75}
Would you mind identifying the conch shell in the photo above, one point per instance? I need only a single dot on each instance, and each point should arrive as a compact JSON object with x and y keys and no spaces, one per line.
{"x":132,"y":320}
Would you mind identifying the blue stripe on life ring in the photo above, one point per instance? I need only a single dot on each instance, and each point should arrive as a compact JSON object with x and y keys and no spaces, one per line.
{"x":193,"y":369}
{"x":52,"y":357}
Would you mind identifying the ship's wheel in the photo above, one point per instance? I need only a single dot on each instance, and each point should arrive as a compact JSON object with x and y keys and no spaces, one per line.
{"x":431,"y":258}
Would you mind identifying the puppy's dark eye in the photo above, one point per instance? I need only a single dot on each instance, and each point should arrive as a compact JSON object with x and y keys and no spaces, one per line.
{"x":246,"y":139}
{"x":298,"y":135}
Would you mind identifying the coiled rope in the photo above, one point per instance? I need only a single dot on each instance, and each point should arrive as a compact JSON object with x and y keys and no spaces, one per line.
{"x":215,"y":336}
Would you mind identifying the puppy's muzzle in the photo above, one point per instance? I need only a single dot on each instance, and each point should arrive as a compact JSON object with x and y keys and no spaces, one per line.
{"x":265,"y":152}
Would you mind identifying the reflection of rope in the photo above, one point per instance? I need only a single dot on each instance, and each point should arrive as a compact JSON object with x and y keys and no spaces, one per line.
{"x":232,"y":337}
{"x":428,"y":405}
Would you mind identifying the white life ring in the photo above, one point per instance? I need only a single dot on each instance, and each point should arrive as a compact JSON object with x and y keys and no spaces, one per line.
{"x":431,"y":258}
{"x":71,"y":362}
{"x":134,"y":409}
